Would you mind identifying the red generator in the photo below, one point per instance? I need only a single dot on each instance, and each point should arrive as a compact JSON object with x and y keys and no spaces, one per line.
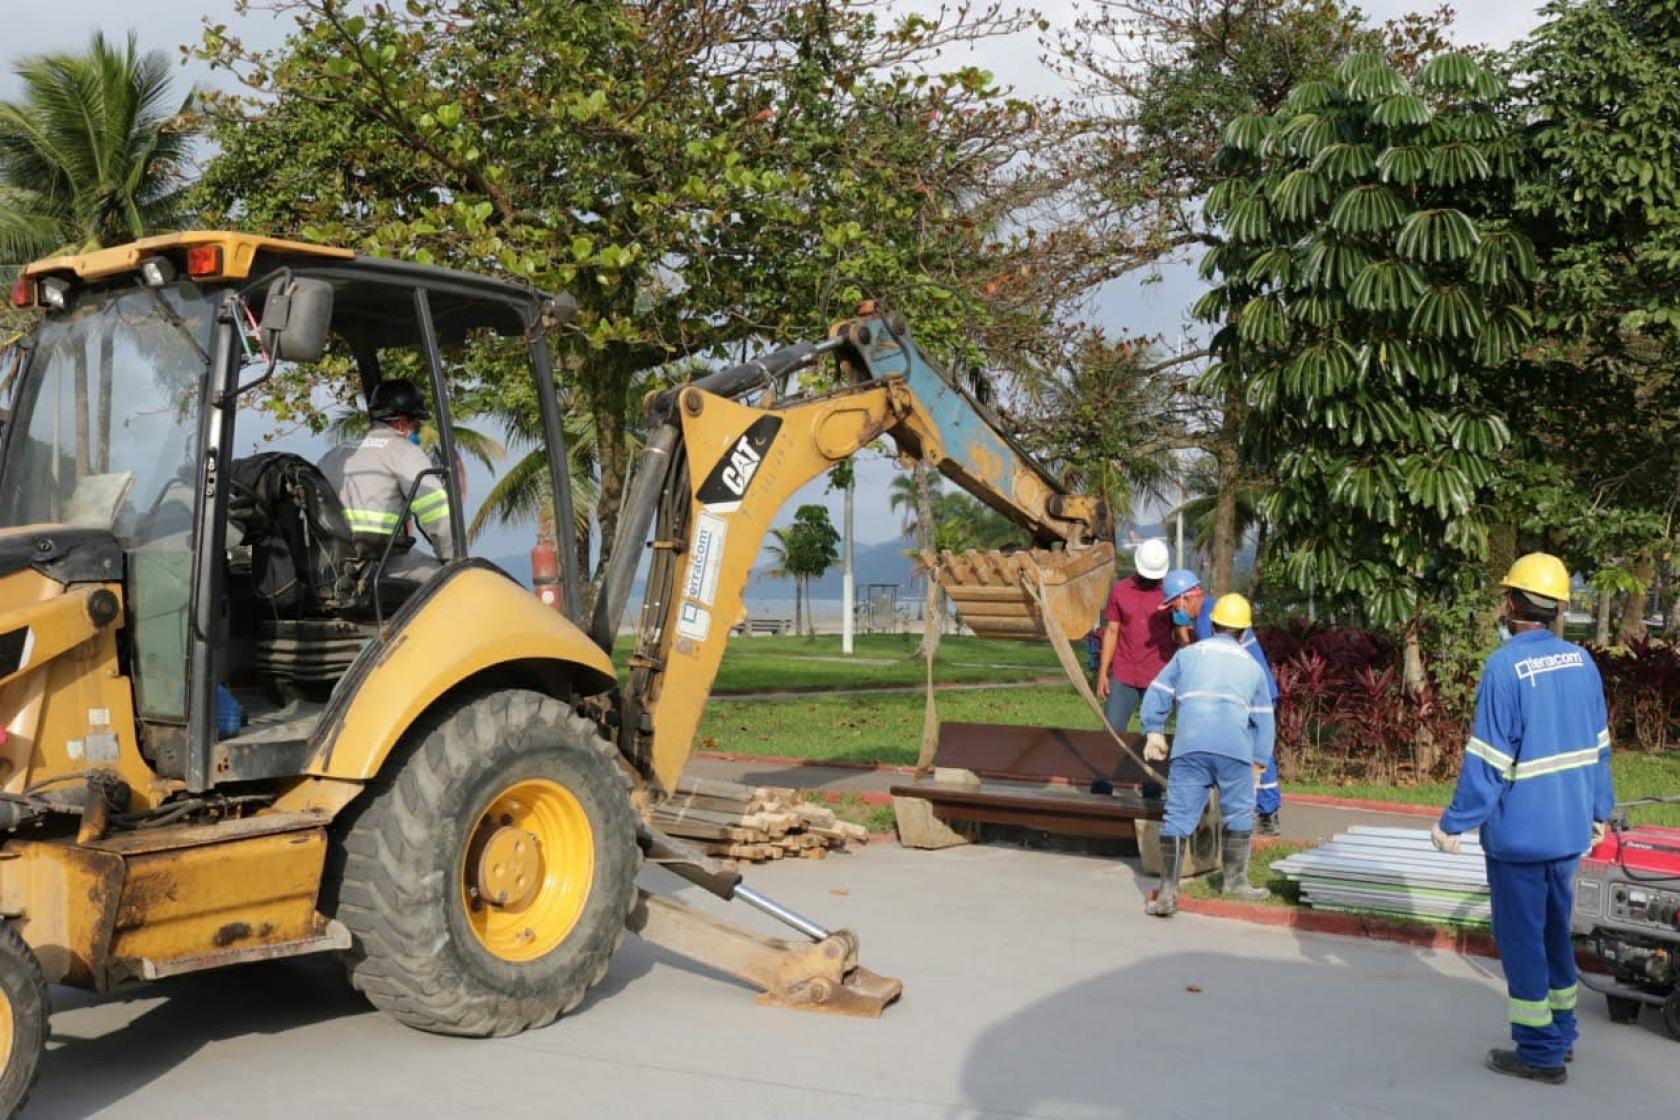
{"x":1627,"y":911}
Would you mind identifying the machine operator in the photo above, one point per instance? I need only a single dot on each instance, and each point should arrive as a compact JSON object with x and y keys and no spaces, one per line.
{"x":374,"y":475}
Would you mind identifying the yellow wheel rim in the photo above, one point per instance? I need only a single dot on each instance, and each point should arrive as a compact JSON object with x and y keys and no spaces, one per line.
{"x":526,"y":870}
{"x":7,"y":1030}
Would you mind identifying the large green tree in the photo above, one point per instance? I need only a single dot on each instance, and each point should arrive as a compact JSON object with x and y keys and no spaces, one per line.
{"x":94,"y":153}
{"x":1157,"y":80}
{"x":701,"y":177}
{"x":1372,"y":290}
{"x":1601,"y":403}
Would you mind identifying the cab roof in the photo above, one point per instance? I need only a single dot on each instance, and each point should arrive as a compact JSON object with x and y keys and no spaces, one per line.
{"x":373,"y":296}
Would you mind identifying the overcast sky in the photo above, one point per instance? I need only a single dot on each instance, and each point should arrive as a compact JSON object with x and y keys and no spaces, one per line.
{"x":1158,"y":307}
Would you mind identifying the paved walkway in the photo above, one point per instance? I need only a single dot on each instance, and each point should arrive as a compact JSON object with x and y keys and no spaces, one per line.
{"x":1034,"y":987}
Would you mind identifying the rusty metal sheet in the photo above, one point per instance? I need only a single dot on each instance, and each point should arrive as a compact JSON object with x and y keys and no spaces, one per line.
{"x":998,"y":750}
{"x":1058,"y":809}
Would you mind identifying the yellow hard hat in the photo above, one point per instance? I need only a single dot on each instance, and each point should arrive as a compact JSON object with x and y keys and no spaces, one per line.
{"x":1539,"y":573}
{"x":1232,"y":611}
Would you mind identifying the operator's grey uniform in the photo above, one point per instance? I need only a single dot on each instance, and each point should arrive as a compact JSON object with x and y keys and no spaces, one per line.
{"x":373,"y":476}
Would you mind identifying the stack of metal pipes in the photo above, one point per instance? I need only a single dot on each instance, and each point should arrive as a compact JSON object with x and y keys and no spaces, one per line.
{"x":1395,"y":872}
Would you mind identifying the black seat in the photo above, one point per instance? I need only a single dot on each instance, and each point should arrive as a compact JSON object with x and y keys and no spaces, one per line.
{"x":304,"y":560}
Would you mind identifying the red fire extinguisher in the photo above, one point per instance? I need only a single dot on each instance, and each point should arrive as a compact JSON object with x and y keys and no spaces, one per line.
{"x":545,"y":575}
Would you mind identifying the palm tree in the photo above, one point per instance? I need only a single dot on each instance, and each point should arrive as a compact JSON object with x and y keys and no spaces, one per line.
{"x":93,"y":155}
{"x":1200,"y":507}
{"x":783,"y":552}
{"x":903,"y":496}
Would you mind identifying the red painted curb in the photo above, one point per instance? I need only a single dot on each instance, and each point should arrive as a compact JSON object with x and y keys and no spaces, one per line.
{"x":1465,"y":942}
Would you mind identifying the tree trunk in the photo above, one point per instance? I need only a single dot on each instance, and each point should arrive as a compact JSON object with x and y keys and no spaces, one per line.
{"x":1228,"y":478}
{"x":84,"y":463}
{"x":934,"y":611}
{"x":1601,"y":635}
{"x":799,"y":604}
{"x":1633,"y":614}
{"x":1416,"y":679}
{"x":102,"y":451}
{"x":1502,"y":550}
{"x":606,"y":391}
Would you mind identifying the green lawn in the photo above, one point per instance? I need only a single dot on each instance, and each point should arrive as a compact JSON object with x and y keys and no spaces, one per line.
{"x":817,"y":665}
{"x":878,"y":728}
{"x":1637,"y":775}
{"x":1284,"y":892}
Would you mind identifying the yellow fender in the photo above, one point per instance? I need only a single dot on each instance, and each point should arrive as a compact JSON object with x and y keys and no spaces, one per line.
{"x":469,"y":622}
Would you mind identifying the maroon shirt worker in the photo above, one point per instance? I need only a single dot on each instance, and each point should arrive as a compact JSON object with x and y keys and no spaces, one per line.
{"x":1137,"y":637}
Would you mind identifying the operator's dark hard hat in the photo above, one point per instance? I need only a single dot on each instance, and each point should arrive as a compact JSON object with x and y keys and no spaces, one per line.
{"x":397,"y":397}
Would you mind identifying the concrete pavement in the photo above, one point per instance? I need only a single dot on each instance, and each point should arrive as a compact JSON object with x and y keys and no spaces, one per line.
{"x":1034,"y":986}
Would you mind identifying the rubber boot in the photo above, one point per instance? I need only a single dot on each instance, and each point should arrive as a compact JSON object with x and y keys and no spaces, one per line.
{"x":1236,"y":869}
{"x":1267,"y":824}
{"x":1165,"y":902}
{"x":1507,"y":1062}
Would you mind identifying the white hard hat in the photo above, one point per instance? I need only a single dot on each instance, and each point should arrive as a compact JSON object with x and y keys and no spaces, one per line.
{"x":1151,"y":558}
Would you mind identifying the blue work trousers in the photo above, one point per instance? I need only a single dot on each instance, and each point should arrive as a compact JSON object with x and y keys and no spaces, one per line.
{"x":1268,"y":799}
{"x":1123,"y":700}
{"x":1531,"y":905}
{"x":1188,"y":781}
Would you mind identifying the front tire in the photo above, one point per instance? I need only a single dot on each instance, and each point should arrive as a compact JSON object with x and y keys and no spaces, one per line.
{"x":24,"y":1010}
{"x":487,"y":877}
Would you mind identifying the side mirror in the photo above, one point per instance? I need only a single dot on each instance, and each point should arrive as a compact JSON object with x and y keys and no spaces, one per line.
{"x":296,"y":316}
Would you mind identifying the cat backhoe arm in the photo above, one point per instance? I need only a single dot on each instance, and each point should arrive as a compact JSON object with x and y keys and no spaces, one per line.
{"x":725,"y":453}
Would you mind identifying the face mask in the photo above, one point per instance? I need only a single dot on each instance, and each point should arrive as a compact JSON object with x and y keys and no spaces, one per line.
{"x":414,"y":438}
{"x":1181,"y":619}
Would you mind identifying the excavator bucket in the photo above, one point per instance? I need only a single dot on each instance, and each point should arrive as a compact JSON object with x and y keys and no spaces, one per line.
{"x":994,"y":592}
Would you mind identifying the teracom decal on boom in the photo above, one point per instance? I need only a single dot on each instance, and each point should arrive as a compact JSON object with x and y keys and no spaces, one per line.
{"x":724,"y":488}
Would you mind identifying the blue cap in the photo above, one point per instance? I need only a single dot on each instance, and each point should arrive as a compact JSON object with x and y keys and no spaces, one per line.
{"x":1178,"y":581}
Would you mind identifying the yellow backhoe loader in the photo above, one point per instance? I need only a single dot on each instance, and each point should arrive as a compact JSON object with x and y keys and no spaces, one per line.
{"x":443,"y":782}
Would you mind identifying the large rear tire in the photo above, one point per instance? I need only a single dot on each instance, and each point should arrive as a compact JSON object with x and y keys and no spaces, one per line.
{"x":23,"y":1020}
{"x":487,"y":875}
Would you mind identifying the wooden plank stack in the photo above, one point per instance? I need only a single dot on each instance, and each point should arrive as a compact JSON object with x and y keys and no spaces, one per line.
{"x":752,"y":824}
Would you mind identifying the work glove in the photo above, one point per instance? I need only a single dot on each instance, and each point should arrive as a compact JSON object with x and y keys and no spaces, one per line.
{"x":1259,"y":772}
{"x":1600,"y":830}
{"x":1445,"y":841}
{"x":1155,"y":746}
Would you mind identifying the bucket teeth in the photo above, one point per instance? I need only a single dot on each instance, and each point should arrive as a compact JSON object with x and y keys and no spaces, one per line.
{"x":991,"y":589}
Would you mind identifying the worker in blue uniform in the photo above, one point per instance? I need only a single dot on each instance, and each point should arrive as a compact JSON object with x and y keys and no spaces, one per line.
{"x":1182,"y":593}
{"x":1536,"y":781}
{"x":1224,"y":729}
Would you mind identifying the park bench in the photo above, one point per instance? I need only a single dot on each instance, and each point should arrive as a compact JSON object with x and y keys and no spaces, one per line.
{"x":763,"y":627}
{"x":1036,"y":778}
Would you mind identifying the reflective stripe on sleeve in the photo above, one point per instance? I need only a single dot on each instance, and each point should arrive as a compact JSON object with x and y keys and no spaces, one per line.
{"x":1166,"y":688}
{"x":1531,"y":1012}
{"x":1604,"y":740}
{"x":1563,"y":999}
{"x":371,"y":521}
{"x":1491,"y":755}
{"x":432,"y":507}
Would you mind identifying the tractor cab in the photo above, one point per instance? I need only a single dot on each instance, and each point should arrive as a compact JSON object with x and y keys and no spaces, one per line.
{"x":246,"y":589}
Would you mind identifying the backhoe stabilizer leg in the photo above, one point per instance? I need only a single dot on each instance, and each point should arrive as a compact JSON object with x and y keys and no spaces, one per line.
{"x":807,"y":976}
